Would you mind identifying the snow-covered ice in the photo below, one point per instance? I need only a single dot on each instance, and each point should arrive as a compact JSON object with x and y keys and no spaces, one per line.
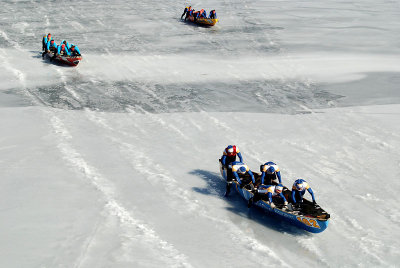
{"x":114,"y":163}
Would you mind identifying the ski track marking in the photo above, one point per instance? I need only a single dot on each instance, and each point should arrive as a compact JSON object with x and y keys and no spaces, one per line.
{"x":366,"y":244}
{"x":163,"y":123}
{"x":134,"y":228}
{"x":308,"y":244}
{"x":86,"y":247}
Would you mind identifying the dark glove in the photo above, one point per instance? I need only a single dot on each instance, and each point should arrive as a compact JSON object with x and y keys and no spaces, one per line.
{"x":241,"y":185}
{"x":314,"y":203}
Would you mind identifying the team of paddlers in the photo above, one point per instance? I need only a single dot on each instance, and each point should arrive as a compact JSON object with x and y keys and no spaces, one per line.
{"x":63,"y":49}
{"x":66,"y":49}
{"x":189,"y":12}
{"x":266,"y":186}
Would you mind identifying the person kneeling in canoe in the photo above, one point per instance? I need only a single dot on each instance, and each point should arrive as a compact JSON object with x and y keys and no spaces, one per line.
{"x":213,"y":14}
{"x":269,"y":191}
{"x":63,"y":50}
{"x":50,"y":47}
{"x":202,"y":13}
{"x":299,"y":189}
{"x":269,"y":173}
{"x":239,"y":171}
{"x":242,"y":179}
{"x":74,"y":50}
{"x":195,"y":15}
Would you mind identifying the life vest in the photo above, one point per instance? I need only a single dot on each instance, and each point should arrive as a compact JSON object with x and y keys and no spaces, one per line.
{"x":236,"y":167}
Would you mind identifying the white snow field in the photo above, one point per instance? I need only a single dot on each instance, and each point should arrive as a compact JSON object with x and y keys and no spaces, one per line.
{"x":114,"y":163}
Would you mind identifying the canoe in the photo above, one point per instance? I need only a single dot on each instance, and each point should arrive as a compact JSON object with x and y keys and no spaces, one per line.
{"x":309,"y":217}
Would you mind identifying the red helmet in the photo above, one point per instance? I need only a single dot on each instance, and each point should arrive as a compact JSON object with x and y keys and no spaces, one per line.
{"x":52,"y":41}
{"x":231,"y":150}
{"x":62,"y":46}
{"x":72,"y":48}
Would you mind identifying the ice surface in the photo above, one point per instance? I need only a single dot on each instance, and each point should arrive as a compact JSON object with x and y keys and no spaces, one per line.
{"x":114,"y":163}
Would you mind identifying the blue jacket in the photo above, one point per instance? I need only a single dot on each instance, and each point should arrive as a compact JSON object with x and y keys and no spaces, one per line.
{"x":65,"y":48}
{"x":49,"y":45}
{"x":45,"y":40}
{"x":301,"y":192}
{"x":215,"y":14}
{"x":266,"y":166}
{"x":236,"y":165}
{"x":67,"y":44}
{"x":269,"y":190}
{"x":76,"y":48}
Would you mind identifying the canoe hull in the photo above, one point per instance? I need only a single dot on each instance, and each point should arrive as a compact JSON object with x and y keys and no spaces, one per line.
{"x":203,"y":21}
{"x":65,"y":60}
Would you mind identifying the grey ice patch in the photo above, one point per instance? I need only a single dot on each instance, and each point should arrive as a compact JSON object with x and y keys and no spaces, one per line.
{"x":247,"y":96}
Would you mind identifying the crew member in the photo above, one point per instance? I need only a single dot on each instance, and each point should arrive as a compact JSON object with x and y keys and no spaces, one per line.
{"x":186,"y":11}
{"x":213,"y":14}
{"x":74,"y":51}
{"x":46,"y":38}
{"x":229,"y":156}
{"x":270,"y":191}
{"x":299,"y":189}
{"x":50,"y":47}
{"x":202,"y":14}
{"x":242,"y":169}
{"x":269,"y":173}
{"x":75,"y":48}
{"x":68,"y":45}
{"x":63,"y":50}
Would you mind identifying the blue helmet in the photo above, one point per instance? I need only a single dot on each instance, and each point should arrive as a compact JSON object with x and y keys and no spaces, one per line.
{"x":299,"y":185}
{"x":279,"y":188}
{"x":242,"y":170}
{"x":271,"y":170}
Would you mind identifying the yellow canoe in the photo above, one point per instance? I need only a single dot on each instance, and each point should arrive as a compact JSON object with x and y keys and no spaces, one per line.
{"x":204,"y":21}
